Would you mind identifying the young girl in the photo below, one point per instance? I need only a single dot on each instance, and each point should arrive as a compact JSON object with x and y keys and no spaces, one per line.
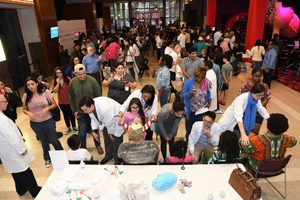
{"x":179,"y":153}
{"x":228,"y":150}
{"x":135,"y":110}
{"x":179,"y":78}
{"x":60,"y":85}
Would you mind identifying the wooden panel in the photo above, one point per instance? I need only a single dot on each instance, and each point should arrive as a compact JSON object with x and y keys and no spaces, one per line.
{"x":106,"y":17}
{"x":4,"y":75}
{"x":82,"y":11}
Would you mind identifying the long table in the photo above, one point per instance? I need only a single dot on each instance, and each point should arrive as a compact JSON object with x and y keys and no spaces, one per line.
{"x":206,"y":180}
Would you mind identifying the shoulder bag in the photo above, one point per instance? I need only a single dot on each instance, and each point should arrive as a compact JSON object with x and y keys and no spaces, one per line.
{"x":55,"y":112}
{"x":244,"y":184}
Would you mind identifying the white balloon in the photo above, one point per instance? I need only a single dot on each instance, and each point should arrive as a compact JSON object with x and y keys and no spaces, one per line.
{"x":210,"y":196}
{"x":222,"y":194}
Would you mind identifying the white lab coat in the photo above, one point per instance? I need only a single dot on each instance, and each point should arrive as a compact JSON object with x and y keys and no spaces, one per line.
{"x":12,"y":146}
{"x":235,"y":112}
{"x":149,"y":112}
{"x":108,"y":114}
{"x":211,"y":76}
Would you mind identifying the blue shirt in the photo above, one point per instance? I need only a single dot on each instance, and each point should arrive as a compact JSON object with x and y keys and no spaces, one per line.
{"x":163,"y":78}
{"x":269,"y":61}
{"x":91,"y":63}
{"x":203,"y":138}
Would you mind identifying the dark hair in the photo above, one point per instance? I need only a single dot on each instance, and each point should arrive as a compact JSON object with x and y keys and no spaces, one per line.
{"x":228,"y":144}
{"x":141,"y":110}
{"x":212,"y":56}
{"x":169,"y":42}
{"x":84,"y":49}
{"x":86,"y":101}
{"x":256,"y":70}
{"x":64,"y":75}
{"x":179,"y":149}
{"x":40,"y":88}
{"x":258,"y":43}
{"x":105,"y":63}
{"x":227,"y":56}
{"x":35,"y":74}
{"x":210,"y":114}
{"x":72,"y":61}
{"x":209,"y":64}
{"x":151,"y":90}
{"x":277,"y":124}
{"x":192,"y":49}
{"x":74,"y":142}
{"x":167,"y":60}
{"x":178,"y":106}
{"x":257,"y":88}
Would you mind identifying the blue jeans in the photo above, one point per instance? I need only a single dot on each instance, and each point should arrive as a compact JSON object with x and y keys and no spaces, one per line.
{"x":190,"y":122}
{"x":84,"y":125}
{"x":46,"y":132}
{"x":164,"y":97}
{"x":256,"y":64}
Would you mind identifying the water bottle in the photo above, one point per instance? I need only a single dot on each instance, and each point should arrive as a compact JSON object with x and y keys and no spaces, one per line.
{"x":82,"y":166}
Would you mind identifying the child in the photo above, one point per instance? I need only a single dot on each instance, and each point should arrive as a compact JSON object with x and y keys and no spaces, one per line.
{"x":226,"y":75}
{"x":228,"y":150}
{"x":76,"y":153}
{"x":135,"y":110}
{"x":106,"y":70}
{"x":179,"y":152}
{"x":179,"y":78}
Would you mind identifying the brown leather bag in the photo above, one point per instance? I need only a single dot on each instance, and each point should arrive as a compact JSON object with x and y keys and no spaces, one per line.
{"x":244,"y":184}
{"x":128,"y":66}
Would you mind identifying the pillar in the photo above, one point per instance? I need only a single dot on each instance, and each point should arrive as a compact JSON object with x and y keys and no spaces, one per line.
{"x":211,"y":13}
{"x":256,"y":22}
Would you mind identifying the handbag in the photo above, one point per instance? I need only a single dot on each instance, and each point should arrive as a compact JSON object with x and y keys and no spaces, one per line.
{"x":128,"y":66}
{"x":55,"y":112}
{"x":244,"y":184}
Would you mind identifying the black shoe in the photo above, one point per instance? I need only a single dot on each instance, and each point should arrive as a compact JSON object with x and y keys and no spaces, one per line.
{"x":104,"y":161}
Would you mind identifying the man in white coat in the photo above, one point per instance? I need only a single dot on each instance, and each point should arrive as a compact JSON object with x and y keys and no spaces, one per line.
{"x":211,"y":76}
{"x":15,"y":155}
{"x":104,"y":113}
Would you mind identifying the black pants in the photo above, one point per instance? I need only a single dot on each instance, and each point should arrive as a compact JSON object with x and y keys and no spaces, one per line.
{"x":111,"y":147}
{"x":68,"y":116}
{"x":97,"y":76}
{"x":113,"y":65}
{"x":25,"y":181}
{"x":149,"y":135}
{"x":163,"y":146}
{"x":131,"y":70}
{"x":268,"y":77}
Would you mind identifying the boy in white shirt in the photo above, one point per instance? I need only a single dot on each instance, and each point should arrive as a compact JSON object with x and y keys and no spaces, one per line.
{"x":76,"y":153}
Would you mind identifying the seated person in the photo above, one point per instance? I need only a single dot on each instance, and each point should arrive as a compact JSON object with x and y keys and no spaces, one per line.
{"x":204,"y":136}
{"x":179,"y":153}
{"x":76,"y":153}
{"x":228,"y":150}
{"x":138,"y":151}
{"x":270,"y":146}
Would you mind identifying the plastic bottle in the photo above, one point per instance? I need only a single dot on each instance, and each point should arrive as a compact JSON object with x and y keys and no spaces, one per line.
{"x":82,"y":167}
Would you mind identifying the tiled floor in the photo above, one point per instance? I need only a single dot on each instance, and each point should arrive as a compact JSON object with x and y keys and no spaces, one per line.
{"x":284,"y":100}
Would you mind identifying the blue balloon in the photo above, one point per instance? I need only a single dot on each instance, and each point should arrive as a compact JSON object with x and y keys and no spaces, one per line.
{"x":164,"y":181}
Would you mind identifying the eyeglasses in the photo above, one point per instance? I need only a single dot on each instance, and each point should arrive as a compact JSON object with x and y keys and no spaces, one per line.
{"x":135,"y":108}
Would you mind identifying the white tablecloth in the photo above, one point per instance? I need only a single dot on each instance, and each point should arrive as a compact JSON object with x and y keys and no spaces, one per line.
{"x":206,"y":179}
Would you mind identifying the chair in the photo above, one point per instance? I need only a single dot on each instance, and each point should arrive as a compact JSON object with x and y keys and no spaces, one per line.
{"x":87,"y":162}
{"x":270,"y":168}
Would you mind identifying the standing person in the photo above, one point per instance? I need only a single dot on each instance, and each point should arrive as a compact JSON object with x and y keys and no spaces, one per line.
{"x":217,"y":36}
{"x":168,"y":120}
{"x":179,"y":78}
{"x":163,"y":79}
{"x":269,"y":64}
{"x":257,"y":78}
{"x":257,"y":52}
{"x":237,"y":54}
{"x":197,"y":97}
{"x":128,"y":55}
{"x":226,"y":76}
{"x":211,"y":76}
{"x":158,"y":45}
{"x":60,"y":85}
{"x":112,"y":52}
{"x":80,"y":86}
{"x":169,"y":48}
{"x":120,"y":84}
{"x":15,"y":156}
{"x":204,"y":136}
{"x":70,"y":70}
{"x":77,"y":52}
{"x":209,"y":41}
{"x":200,"y":45}
{"x":36,"y":106}
{"x":91,"y":63}
{"x":182,"y":40}
{"x":136,"y":52}
{"x":190,"y":63}
{"x":107,"y":118}
{"x":149,"y":101}
{"x":242,"y":112}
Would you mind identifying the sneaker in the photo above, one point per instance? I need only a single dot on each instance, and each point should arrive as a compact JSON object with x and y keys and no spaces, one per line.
{"x":75,"y":129}
{"x":222,"y":103}
{"x":67,"y":131}
{"x":220,"y":111}
{"x":48,"y":163}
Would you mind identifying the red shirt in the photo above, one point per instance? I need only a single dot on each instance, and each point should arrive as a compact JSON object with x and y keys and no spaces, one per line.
{"x":63,"y":93}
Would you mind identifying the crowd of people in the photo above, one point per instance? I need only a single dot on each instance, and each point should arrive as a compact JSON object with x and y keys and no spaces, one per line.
{"x":196,"y":65}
